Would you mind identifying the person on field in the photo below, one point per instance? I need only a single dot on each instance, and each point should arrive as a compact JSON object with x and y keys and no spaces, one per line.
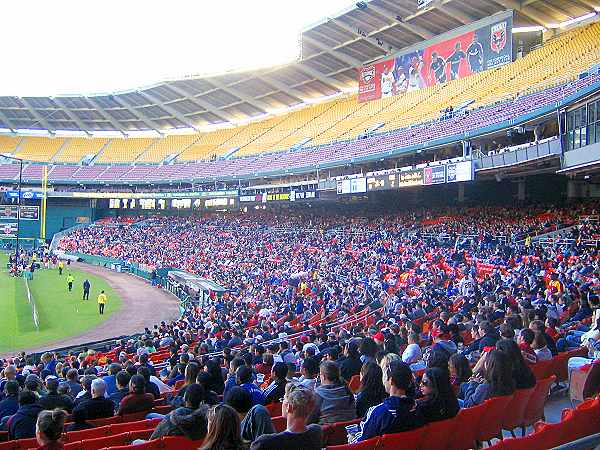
{"x":61,"y":266}
{"x":102,"y":299}
{"x":86,"y":289}
{"x":70,"y":280}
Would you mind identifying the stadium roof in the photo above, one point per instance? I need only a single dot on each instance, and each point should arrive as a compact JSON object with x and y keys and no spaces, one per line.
{"x":331,"y":52}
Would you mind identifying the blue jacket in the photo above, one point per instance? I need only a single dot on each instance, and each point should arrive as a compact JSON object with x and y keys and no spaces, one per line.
{"x":258,"y":398}
{"x":22,"y":424}
{"x":393,"y":415}
{"x":9,"y":406}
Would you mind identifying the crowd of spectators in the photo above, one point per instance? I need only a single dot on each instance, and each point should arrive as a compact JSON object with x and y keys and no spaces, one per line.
{"x":447,"y":325}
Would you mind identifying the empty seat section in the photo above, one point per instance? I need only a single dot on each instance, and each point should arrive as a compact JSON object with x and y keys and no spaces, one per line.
{"x":8,"y":144}
{"x":173,"y":144}
{"x":208,"y":145}
{"x":34,"y":148}
{"x":77,"y":148}
{"x":124,"y":150}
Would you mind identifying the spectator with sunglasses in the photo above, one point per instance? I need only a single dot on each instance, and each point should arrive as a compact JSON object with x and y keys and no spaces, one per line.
{"x":439,"y":401}
{"x":396,"y":413}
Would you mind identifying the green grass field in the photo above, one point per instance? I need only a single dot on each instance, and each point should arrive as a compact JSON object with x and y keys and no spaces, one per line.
{"x":61,"y":313}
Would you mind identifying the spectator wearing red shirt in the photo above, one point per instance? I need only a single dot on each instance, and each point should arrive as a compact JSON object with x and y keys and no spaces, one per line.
{"x":137,"y":400}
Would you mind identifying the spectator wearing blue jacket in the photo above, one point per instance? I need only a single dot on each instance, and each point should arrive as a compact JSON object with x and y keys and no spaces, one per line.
{"x":243,"y":377}
{"x":396,"y":413}
{"x":22,"y":424}
{"x":10,"y":404}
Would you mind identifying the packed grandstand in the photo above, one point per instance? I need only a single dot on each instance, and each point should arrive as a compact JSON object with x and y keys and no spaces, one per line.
{"x":403,"y":256}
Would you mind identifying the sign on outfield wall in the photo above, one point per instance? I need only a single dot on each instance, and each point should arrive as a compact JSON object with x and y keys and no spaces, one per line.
{"x":27,"y":212}
{"x":8,"y":230}
{"x":459,"y":54}
{"x":462,"y":171}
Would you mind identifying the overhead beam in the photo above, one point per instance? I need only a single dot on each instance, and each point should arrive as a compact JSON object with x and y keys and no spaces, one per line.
{"x":107,"y":115}
{"x":542,"y":20}
{"x":237,"y":93}
{"x":413,"y":28}
{"x":202,"y":103}
{"x":292,"y":92}
{"x":336,"y":53}
{"x":72,"y":115}
{"x":8,"y":122}
{"x":368,"y":38}
{"x":459,"y":15}
{"x":149,"y":122}
{"x":169,"y":109}
{"x":38,"y":117}
{"x":331,"y":82}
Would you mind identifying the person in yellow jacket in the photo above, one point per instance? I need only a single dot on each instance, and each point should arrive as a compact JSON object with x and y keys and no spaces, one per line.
{"x":70,"y":280}
{"x":102,"y":299}
{"x":61,"y":266}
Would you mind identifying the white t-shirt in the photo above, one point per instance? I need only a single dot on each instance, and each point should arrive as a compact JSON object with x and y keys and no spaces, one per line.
{"x":387,"y":82}
{"x":412,"y":354}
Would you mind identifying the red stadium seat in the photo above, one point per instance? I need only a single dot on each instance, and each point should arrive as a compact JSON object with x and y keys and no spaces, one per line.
{"x":103,"y":442}
{"x":552,"y":434}
{"x":106,"y":421}
{"x":274,"y":409}
{"x":542,"y":369}
{"x":133,"y":426}
{"x":438,"y":434}
{"x":141,"y":434}
{"x":517,"y":408}
{"x":467,"y":421}
{"x":531,"y":442}
{"x":535,"y":406}
{"x":490,"y":426}
{"x":178,"y":443}
{"x":335,"y":433}
{"x":354,"y":383}
{"x":279,"y":423}
{"x":407,"y":440}
{"x":156,"y":444}
{"x":369,"y":444}
{"x":73,"y":436}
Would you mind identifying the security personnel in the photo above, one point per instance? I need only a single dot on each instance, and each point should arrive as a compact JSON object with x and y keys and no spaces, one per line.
{"x":61,"y":266}
{"x":102,"y":299}
{"x":70,"y":280}
{"x":86,"y":289}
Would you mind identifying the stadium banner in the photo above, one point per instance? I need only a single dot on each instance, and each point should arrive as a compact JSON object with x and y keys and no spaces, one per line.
{"x":462,"y":171}
{"x":485,"y":47}
{"x":8,"y":230}
{"x":12,"y":212}
{"x":26,"y":195}
{"x":199,"y":194}
{"x":434,"y":175}
{"x":352,"y":186}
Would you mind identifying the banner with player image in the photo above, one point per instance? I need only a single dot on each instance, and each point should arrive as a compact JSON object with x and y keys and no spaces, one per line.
{"x":484,"y":48}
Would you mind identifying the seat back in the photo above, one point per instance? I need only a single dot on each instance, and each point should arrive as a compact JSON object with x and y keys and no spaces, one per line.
{"x":407,"y":440}
{"x":335,"y":433}
{"x":150,"y":445}
{"x":106,"y":421}
{"x":178,"y":443}
{"x":542,"y":369}
{"x":74,"y":436}
{"x":535,"y":407}
{"x":437,"y":434}
{"x":279,"y":423}
{"x":369,"y":444}
{"x":354,"y":384}
{"x":274,"y":409}
{"x":517,"y":408}
{"x":124,"y":427}
{"x":106,"y":441}
{"x":467,"y":422}
{"x":493,"y":414}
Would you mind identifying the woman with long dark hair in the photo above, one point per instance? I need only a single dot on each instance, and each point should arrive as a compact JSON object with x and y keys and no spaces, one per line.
{"x":223,"y":430}
{"x":460,"y":370}
{"x":495,"y":380}
{"x":372,"y":391}
{"x":522,"y":374}
{"x":216,"y":384}
{"x":439,"y":401}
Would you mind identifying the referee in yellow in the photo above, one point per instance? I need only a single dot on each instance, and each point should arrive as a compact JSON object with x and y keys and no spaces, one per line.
{"x":102,"y":299}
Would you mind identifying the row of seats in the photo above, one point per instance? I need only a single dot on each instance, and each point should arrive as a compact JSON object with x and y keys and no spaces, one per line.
{"x":559,"y":60}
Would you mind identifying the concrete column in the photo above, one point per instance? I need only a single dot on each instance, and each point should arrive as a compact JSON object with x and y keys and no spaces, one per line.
{"x":461,"y":193}
{"x":521,"y":190}
{"x":572,"y":189}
